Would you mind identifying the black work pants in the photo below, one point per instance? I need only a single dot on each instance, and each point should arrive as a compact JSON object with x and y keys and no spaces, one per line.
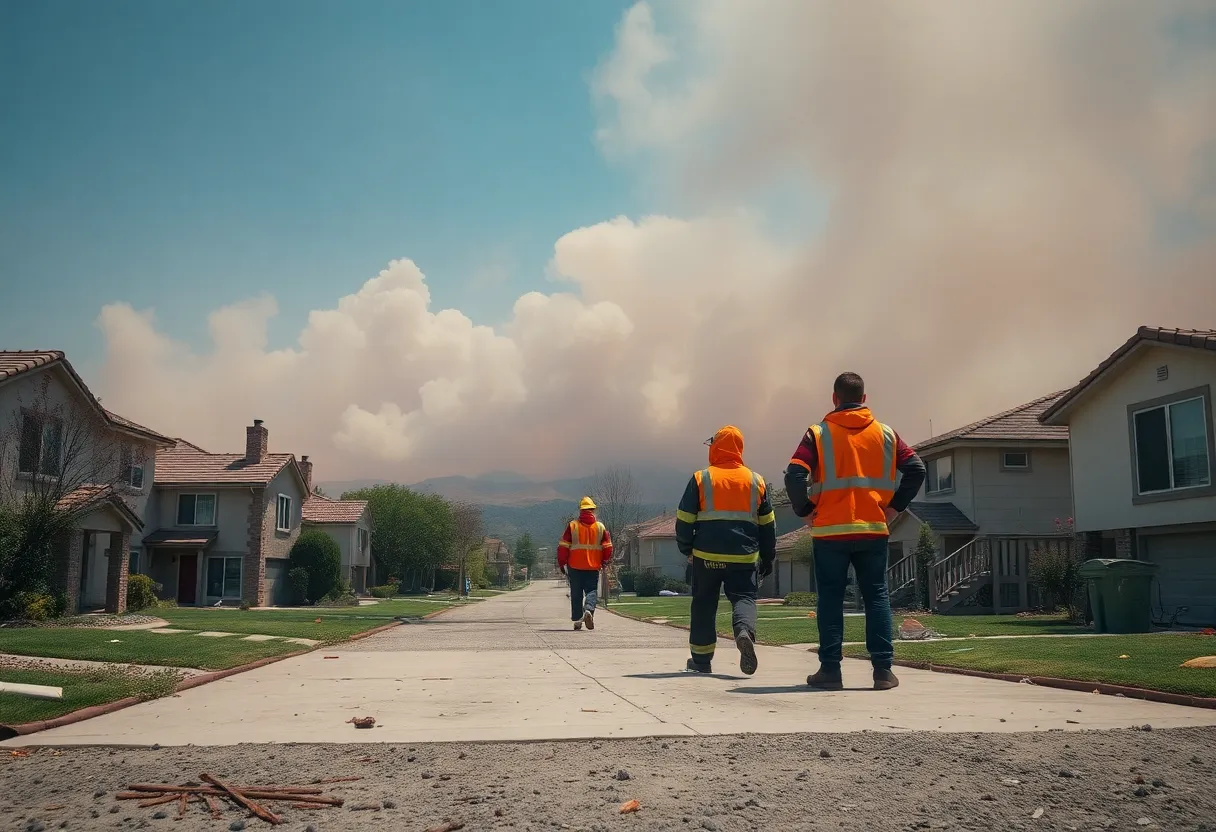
{"x":709,"y":578}
{"x":584,"y":586}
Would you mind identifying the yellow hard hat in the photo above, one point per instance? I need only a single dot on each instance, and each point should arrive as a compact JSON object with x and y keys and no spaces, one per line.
{"x":586,"y":504}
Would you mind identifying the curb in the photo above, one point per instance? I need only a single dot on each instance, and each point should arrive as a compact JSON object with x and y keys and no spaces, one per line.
{"x":1145,"y":694}
{"x":26,"y":728}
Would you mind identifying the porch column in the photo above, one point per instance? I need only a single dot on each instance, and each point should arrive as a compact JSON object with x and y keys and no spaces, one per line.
{"x":117,"y":573}
{"x":1087,"y":546}
{"x":253,"y":573}
{"x":1125,"y":543}
{"x":67,"y":554}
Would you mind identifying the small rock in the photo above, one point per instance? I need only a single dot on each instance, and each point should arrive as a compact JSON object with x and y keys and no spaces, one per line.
{"x":463,"y":755}
{"x":623,"y":775}
{"x":312,"y":827}
{"x":1146,"y":727}
{"x":1141,"y":792}
{"x":94,"y":814}
{"x":99,"y":793}
{"x":1003,"y":719}
{"x":1145,"y":821}
{"x":236,"y":826}
{"x":1066,"y":773}
{"x":1160,"y":784}
{"x":499,"y":813}
{"x":1038,"y":813}
{"x":156,"y":746}
{"x":988,"y":797}
{"x":710,"y":824}
{"x":1139,"y":778}
{"x":825,"y":754}
{"x":389,"y":804}
{"x":426,"y":775}
{"x":113,"y":810}
{"x":161,"y":815}
{"x":63,"y":825}
{"x":536,"y":791}
{"x":35,"y":826}
{"x":411,"y":759}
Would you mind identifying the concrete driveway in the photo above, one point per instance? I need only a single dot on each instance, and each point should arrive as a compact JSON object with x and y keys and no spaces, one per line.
{"x":510,"y":668}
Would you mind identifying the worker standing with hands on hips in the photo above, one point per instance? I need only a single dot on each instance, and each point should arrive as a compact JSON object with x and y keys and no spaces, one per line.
{"x":584,"y":550}
{"x":725,"y":527}
{"x":852,"y":461}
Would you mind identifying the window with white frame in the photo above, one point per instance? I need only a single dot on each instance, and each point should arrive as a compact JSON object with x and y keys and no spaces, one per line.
{"x":196,"y":509}
{"x":41,"y":445}
{"x":132,"y":467}
{"x":1015,"y":460}
{"x":940,"y":475}
{"x":362,"y":541}
{"x":282,"y":515}
{"x":1171,"y":447}
{"x":224,"y":577}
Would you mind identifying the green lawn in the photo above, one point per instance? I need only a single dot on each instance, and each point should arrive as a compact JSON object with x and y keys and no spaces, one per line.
{"x":1153,"y":659}
{"x":337,"y":623}
{"x":80,"y":690}
{"x":779,"y":624}
{"x":139,"y":647}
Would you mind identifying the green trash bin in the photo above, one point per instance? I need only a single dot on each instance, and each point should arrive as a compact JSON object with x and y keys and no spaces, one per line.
{"x":1120,"y":594}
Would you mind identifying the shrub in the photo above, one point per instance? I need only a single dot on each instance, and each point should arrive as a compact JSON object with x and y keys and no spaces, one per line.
{"x":317,"y":553}
{"x":672,"y":585}
{"x":627,"y":577}
{"x":244,"y":605}
{"x":37,"y":606}
{"x":297,"y":582}
{"x":386,"y":591}
{"x":445,"y":579}
{"x":141,"y":592}
{"x":801,"y":599}
{"x":1057,"y":574}
{"x":167,"y":603}
{"x":648,"y":584}
{"x":340,"y":596}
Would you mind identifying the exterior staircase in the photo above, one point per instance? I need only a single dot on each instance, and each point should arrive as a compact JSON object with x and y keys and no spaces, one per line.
{"x":961,"y":575}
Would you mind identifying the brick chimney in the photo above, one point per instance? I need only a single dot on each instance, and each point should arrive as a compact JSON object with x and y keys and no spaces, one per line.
{"x":306,"y":470}
{"x":257,"y":438}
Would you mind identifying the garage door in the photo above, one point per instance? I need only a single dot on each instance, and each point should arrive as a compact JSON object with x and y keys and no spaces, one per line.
{"x":1187,"y":575}
{"x":276,"y":582}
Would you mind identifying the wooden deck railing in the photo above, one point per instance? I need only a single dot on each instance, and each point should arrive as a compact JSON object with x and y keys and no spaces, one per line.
{"x":957,"y":568}
{"x":901,"y":574}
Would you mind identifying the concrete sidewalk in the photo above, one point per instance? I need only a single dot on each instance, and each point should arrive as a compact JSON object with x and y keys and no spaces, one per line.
{"x":510,"y":668}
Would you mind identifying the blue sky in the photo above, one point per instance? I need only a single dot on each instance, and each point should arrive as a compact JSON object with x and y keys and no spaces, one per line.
{"x":185,"y":155}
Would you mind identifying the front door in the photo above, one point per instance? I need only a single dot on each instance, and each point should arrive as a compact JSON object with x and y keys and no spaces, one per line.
{"x":187,"y":579}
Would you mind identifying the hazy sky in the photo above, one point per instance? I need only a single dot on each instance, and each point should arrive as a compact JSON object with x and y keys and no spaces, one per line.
{"x":430,"y":238}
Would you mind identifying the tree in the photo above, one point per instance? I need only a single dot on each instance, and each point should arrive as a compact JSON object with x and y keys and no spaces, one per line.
{"x":319,"y":491}
{"x":412,"y":533}
{"x":926,"y":556}
{"x":59,"y":448}
{"x":525,"y":552}
{"x":619,"y":499}
{"x":318,"y":553}
{"x":468,"y":542}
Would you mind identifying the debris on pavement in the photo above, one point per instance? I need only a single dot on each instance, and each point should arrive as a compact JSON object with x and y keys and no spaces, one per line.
{"x":362,"y":721}
{"x":210,"y":795}
{"x":450,"y":826}
{"x":630,"y":807}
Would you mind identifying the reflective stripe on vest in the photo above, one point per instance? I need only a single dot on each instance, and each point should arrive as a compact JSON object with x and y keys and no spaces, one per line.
{"x":707,"y":492}
{"x":827,"y":461}
{"x":575,"y":538}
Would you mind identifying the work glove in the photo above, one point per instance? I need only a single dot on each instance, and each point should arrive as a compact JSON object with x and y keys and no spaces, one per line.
{"x":766,"y":569}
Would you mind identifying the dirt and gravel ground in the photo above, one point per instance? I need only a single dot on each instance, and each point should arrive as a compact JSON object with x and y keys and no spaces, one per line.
{"x":1083,"y":781}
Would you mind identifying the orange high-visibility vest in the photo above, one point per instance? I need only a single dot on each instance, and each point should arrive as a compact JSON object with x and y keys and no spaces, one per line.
{"x":586,"y":545}
{"x":854,"y":479}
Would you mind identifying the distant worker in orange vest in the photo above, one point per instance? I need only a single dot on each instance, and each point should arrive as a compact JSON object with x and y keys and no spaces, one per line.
{"x":851,"y":461}
{"x":725,"y":527}
{"x":584,"y":550}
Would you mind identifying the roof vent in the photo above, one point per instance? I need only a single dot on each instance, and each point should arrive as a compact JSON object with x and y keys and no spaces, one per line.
{"x":1163,"y":372}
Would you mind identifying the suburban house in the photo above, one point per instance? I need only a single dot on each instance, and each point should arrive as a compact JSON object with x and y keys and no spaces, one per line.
{"x":58,"y":443}
{"x":498,"y":560}
{"x":348,"y":522}
{"x":996,"y":490}
{"x":1143,"y":449}
{"x":793,"y":570}
{"x":219,"y":527}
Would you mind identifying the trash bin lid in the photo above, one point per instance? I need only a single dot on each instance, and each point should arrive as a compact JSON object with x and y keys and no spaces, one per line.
{"x":1099,"y":567}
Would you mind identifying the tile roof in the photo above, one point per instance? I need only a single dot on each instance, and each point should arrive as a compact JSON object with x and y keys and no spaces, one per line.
{"x":184,"y":445}
{"x":1200,"y":339}
{"x":942,"y":516}
{"x":788,"y":540}
{"x":186,"y":466}
{"x":88,"y":497}
{"x":1021,"y":424}
{"x":318,"y":509}
{"x":15,"y":362}
{"x":661,"y":526}
{"x":187,"y":539}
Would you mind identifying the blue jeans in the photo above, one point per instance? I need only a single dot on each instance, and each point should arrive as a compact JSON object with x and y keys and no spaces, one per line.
{"x":869,"y":561}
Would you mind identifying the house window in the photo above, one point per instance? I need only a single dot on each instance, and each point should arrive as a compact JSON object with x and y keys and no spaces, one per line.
{"x":41,"y":445}
{"x":362,"y":540}
{"x":132,"y":471}
{"x":134,"y":562}
{"x":224,"y":577}
{"x":940,"y":478}
{"x":1015,"y":460}
{"x":282,"y":514}
{"x":1171,"y":446}
{"x":196,"y":509}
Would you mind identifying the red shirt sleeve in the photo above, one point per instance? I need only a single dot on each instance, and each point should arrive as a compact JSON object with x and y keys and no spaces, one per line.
{"x":805,"y":455}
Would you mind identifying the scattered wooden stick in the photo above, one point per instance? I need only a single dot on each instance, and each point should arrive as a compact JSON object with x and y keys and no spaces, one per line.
{"x":214,"y":806}
{"x":337,"y":780}
{"x":158,"y":787}
{"x":181,"y":804}
{"x":450,"y":826}
{"x":157,"y":801}
{"x":261,"y":811}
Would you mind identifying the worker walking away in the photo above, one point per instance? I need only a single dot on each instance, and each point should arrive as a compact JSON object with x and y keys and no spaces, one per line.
{"x":585,"y":549}
{"x":725,"y":527}
{"x":852,"y":461}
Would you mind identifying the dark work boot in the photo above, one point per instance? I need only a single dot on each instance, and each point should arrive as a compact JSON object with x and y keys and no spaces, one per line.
{"x":885,"y":680}
{"x":747,"y":653}
{"x":578,"y":625}
{"x":698,"y":667}
{"x":826,"y":680}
